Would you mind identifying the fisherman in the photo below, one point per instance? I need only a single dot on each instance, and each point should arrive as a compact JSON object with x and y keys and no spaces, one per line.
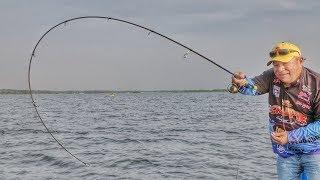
{"x":294,"y":110}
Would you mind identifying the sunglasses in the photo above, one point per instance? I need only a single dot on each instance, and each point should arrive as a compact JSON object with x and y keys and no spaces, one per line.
{"x":281,"y":52}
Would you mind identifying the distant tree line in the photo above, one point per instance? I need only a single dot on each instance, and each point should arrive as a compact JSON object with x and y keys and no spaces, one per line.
{"x":14,"y":91}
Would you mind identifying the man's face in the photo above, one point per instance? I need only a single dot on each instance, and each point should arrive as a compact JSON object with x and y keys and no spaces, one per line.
{"x":288,"y":72}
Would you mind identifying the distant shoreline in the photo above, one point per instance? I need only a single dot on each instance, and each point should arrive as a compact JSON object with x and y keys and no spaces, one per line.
{"x":14,"y":91}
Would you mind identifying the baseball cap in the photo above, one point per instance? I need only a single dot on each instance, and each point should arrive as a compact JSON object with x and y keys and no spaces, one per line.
{"x":284,"y":52}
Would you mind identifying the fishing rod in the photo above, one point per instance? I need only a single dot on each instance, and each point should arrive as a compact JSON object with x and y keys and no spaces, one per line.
{"x":232,"y":88}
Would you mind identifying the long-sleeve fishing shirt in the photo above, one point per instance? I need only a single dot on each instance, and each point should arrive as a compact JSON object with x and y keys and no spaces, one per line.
{"x":295,"y":109}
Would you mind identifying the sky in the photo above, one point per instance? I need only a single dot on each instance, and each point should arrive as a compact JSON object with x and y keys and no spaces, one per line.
{"x":95,"y":54}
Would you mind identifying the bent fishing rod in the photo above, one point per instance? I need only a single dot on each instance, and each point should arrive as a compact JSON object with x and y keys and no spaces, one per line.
{"x":232,"y":88}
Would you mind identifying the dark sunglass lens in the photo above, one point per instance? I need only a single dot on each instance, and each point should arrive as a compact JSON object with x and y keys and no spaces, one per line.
{"x":272,"y":54}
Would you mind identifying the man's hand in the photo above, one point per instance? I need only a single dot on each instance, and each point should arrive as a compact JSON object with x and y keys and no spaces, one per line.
{"x":239,"y":79}
{"x":280,"y":137}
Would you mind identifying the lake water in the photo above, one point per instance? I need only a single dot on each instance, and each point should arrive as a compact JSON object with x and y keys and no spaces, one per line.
{"x":151,"y":135}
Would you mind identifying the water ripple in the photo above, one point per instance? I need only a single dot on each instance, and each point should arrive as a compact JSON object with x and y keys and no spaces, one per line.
{"x":136,"y":136}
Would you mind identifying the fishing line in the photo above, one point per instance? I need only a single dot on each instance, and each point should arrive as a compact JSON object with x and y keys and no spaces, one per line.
{"x":106,"y":19}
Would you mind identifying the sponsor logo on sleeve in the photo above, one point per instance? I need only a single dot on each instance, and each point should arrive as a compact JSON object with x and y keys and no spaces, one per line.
{"x":280,"y":148}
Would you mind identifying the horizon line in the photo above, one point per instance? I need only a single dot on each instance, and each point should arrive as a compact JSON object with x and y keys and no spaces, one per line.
{"x":24,"y":91}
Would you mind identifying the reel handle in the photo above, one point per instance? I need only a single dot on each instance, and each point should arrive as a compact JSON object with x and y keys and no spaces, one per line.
{"x":233,"y":89}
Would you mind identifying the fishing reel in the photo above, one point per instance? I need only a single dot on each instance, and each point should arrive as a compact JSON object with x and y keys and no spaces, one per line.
{"x":233,"y":88}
